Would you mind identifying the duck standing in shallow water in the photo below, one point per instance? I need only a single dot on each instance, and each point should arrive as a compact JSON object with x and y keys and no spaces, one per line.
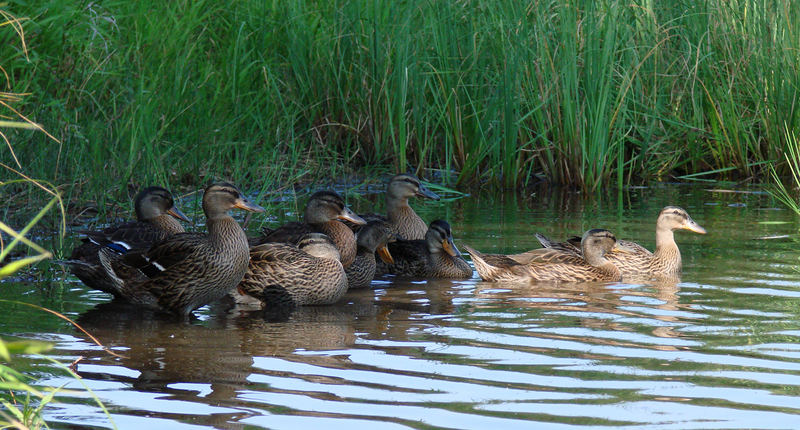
{"x":401,"y":218}
{"x":188,"y":270}
{"x":322,"y":215}
{"x":553,"y":264}
{"x":434,"y":257}
{"x":285,"y":275}
{"x":638,"y":261}
{"x":157,"y":218}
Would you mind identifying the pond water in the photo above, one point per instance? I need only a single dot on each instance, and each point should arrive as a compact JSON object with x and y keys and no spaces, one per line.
{"x":720,"y":349}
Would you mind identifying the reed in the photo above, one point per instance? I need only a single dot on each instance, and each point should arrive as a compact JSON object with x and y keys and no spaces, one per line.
{"x":585,"y":93}
{"x":787,"y":194}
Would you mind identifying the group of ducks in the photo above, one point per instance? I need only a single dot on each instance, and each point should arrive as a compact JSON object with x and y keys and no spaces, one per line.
{"x":153,"y":262}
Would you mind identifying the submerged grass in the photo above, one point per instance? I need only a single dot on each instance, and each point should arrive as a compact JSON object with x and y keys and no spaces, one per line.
{"x":581,"y":92}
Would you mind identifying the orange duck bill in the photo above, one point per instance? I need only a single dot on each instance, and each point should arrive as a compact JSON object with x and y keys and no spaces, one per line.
{"x":383,"y":253}
{"x":450,"y":247}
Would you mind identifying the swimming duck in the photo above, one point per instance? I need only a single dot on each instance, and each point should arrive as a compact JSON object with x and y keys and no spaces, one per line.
{"x":434,"y":257}
{"x":188,"y":270}
{"x":553,"y":264}
{"x":285,"y":275}
{"x":638,"y":261}
{"x":322,"y":215}
{"x":371,"y":238}
{"x":156,"y":216}
{"x":404,"y":222}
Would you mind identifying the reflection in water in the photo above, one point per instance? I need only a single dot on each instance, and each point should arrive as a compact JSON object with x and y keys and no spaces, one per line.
{"x":716,"y":350}
{"x":596,"y":306}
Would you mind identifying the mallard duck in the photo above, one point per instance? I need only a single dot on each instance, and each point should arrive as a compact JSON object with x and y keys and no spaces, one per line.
{"x":282,"y":274}
{"x":637,"y":260}
{"x":322,"y":215}
{"x":434,"y":257}
{"x":188,"y":270}
{"x":553,"y":264}
{"x":404,"y":222}
{"x":371,"y":238}
{"x":156,"y":216}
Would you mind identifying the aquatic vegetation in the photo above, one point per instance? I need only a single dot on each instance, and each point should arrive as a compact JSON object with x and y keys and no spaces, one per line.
{"x":584,"y":93}
{"x":778,"y":189}
{"x":23,"y":403}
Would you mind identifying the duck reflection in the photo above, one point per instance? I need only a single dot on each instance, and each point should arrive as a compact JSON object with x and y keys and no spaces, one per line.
{"x":596,"y":304}
{"x":215,"y":355}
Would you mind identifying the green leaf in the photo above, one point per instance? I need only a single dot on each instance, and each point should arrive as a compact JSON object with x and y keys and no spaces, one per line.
{"x":4,"y":351}
{"x":28,"y":347}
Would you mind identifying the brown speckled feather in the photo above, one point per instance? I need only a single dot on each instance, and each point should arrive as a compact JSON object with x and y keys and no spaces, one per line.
{"x":290,"y":232}
{"x":282,"y":274}
{"x":551,"y":264}
{"x":406,"y":224}
{"x":361,"y":273}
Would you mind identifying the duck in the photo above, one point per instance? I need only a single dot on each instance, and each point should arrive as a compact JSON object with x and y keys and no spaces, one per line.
{"x":637,"y":261}
{"x":323,"y":213}
{"x":371,"y":239}
{"x":404,"y":222}
{"x":434,"y":257}
{"x":156,"y":219}
{"x":188,"y":270}
{"x":288,"y":275}
{"x":551,"y":264}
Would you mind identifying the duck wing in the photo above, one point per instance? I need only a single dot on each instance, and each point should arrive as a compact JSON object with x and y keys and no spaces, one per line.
{"x":410,"y":258}
{"x":287,"y":233}
{"x":166,"y":253}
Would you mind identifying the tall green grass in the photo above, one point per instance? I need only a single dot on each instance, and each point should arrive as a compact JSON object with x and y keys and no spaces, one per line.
{"x":23,"y":403}
{"x":582,"y":92}
{"x":787,"y":194}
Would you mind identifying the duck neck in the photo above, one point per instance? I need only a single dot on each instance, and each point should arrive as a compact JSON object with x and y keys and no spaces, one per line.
{"x":225,"y":233}
{"x":396,"y":206}
{"x":599,"y":261}
{"x":404,"y":220}
{"x":445,"y":265}
{"x":364,"y":252}
{"x":167,"y":223}
{"x":343,"y":237}
{"x":610,"y":268}
{"x":667,"y":251}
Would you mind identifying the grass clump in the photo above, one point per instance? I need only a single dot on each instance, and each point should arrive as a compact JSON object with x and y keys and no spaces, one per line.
{"x":585,"y":93}
{"x":23,"y":403}
{"x":780,"y":191}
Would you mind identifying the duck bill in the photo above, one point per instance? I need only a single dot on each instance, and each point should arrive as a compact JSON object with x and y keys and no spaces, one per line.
{"x":348,"y":215}
{"x":247,"y":205}
{"x":174,"y":211}
{"x":423,"y":192}
{"x":383,"y":253}
{"x":450,"y":247}
{"x":622,"y":249}
{"x":693,"y":226}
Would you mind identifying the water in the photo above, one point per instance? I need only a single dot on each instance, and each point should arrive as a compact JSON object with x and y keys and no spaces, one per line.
{"x":721,"y":349}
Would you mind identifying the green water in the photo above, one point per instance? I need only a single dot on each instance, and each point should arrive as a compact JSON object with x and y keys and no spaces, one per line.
{"x":720,"y":349}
